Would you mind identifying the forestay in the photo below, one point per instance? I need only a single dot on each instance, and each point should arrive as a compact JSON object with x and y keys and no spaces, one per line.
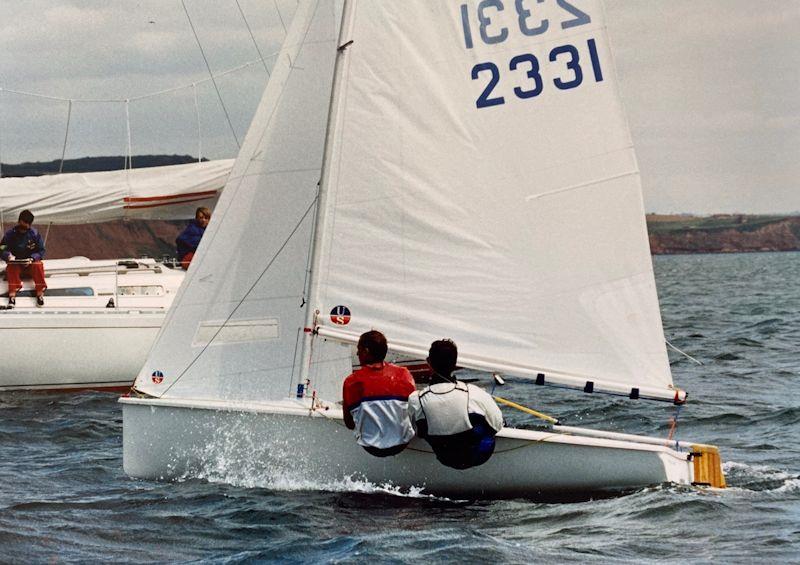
{"x":154,"y":193}
{"x":483,"y":187}
{"x":235,"y":331}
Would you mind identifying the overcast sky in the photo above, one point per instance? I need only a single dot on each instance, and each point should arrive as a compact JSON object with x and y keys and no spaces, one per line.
{"x":711,"y":87}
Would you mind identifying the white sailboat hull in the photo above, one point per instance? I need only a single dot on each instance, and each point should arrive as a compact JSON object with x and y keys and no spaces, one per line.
{"x":283,"y":441}
{"x":98,"y":323}
{"x":43,"y":350}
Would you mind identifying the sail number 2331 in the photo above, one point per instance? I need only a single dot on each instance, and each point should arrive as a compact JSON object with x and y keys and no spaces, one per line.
{"x":567,"y":59}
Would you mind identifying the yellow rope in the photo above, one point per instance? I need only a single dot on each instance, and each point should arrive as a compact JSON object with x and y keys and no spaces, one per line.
{"x":527,"y":410}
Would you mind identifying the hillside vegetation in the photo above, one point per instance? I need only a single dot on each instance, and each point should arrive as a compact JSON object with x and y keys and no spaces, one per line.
{"x":722,"y":233}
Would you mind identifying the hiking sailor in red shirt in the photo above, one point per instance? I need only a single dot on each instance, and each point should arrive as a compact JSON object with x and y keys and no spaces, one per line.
{"x":375,"y":399}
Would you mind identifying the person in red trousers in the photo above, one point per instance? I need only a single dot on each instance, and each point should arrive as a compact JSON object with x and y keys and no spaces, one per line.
{"x":22,"y":250}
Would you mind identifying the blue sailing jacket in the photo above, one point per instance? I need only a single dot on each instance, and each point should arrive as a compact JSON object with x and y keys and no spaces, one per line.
{"x":28,"y":245}
{"x":189,"y":239}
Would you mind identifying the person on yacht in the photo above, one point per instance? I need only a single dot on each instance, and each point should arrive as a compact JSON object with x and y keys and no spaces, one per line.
{"x":458,"y":420}
{"x":375,"y":399}
{"x":22,"y":250}
{"x":190,"y":237}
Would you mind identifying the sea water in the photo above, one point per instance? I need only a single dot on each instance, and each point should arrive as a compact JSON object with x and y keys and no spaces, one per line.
{"x":64,"y":496}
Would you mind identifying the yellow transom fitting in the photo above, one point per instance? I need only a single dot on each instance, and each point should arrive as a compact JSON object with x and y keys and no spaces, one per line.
{"x":707,"y":466}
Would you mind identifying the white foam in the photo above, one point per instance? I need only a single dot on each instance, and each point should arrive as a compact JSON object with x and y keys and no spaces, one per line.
{"x":247,"y":463}
{"x":753,"y":475}
{"x":221,"y":474}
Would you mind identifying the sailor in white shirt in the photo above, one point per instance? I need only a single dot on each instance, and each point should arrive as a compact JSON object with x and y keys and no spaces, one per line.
{"x":458,"y":420}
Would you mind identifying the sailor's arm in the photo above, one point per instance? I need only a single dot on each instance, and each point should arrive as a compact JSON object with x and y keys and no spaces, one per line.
{"x":348,"y":418}
{"x":39,"y":253}
{"x":183,"y":243}
{"x":350,"y":397}
{"x":415,"y":414}
{"x":492,"y":413}
{"x":5,"y":254}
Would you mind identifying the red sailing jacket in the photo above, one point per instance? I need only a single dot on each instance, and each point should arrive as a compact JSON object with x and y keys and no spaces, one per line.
{"x":375,"y":402}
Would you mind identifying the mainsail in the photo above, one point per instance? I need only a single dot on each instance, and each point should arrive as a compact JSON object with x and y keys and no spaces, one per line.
{"x":154,"y":193}
{"x":483,"y":187}
{"x":479,"y":183}
{"x":235,"y":331}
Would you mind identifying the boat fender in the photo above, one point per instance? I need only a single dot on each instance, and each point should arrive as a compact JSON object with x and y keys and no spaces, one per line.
{"x":634,"y":394}
{"x":589,"y":387}
{"x":540,"y":379}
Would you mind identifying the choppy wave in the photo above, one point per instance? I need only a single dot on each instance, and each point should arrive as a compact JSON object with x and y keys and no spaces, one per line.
{"x":759,"y":478}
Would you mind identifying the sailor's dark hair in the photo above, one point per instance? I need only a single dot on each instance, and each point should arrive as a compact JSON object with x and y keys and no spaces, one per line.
{"x":26,"y":216}
{"x":443,"y":356}
{"x":374,"y":342}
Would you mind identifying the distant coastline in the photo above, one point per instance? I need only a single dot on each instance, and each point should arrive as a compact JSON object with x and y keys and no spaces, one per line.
{"x":674,"y":234}
{"x":722,"y":233}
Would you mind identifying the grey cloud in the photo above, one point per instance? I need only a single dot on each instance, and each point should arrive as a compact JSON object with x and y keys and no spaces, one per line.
{"x":711,"y":87}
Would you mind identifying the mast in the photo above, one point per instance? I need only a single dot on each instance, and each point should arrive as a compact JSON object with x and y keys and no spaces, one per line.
{"x":321,"y":215}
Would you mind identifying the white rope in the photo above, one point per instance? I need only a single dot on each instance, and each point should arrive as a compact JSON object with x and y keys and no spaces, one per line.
{"x":142,"y":96}
{"x":199,"y":129}
{"x":203,"y":81}
{"x":66,"y":139}
{"x":44,"y":96}
{"x":280,"y":17}
{"x":253,"y":37}
{"x":682,"y":352}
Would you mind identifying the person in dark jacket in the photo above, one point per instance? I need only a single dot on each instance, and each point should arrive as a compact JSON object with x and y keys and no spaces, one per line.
{"x":190,"y":237}
{"x":457,"y":419}
{"x":22,"y":250}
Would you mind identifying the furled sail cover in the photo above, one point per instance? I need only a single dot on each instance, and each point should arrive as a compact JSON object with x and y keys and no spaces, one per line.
{"x":235,"y":330}
{"x":484,"y":188}
{"x":155,"y":193}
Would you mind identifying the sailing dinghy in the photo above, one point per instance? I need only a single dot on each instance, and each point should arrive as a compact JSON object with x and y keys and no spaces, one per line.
{"x":429,"y":169}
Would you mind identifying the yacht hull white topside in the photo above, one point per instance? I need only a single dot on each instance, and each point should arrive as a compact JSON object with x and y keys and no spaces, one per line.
{"x":98,"y":323}
{"x":285,"y":443}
